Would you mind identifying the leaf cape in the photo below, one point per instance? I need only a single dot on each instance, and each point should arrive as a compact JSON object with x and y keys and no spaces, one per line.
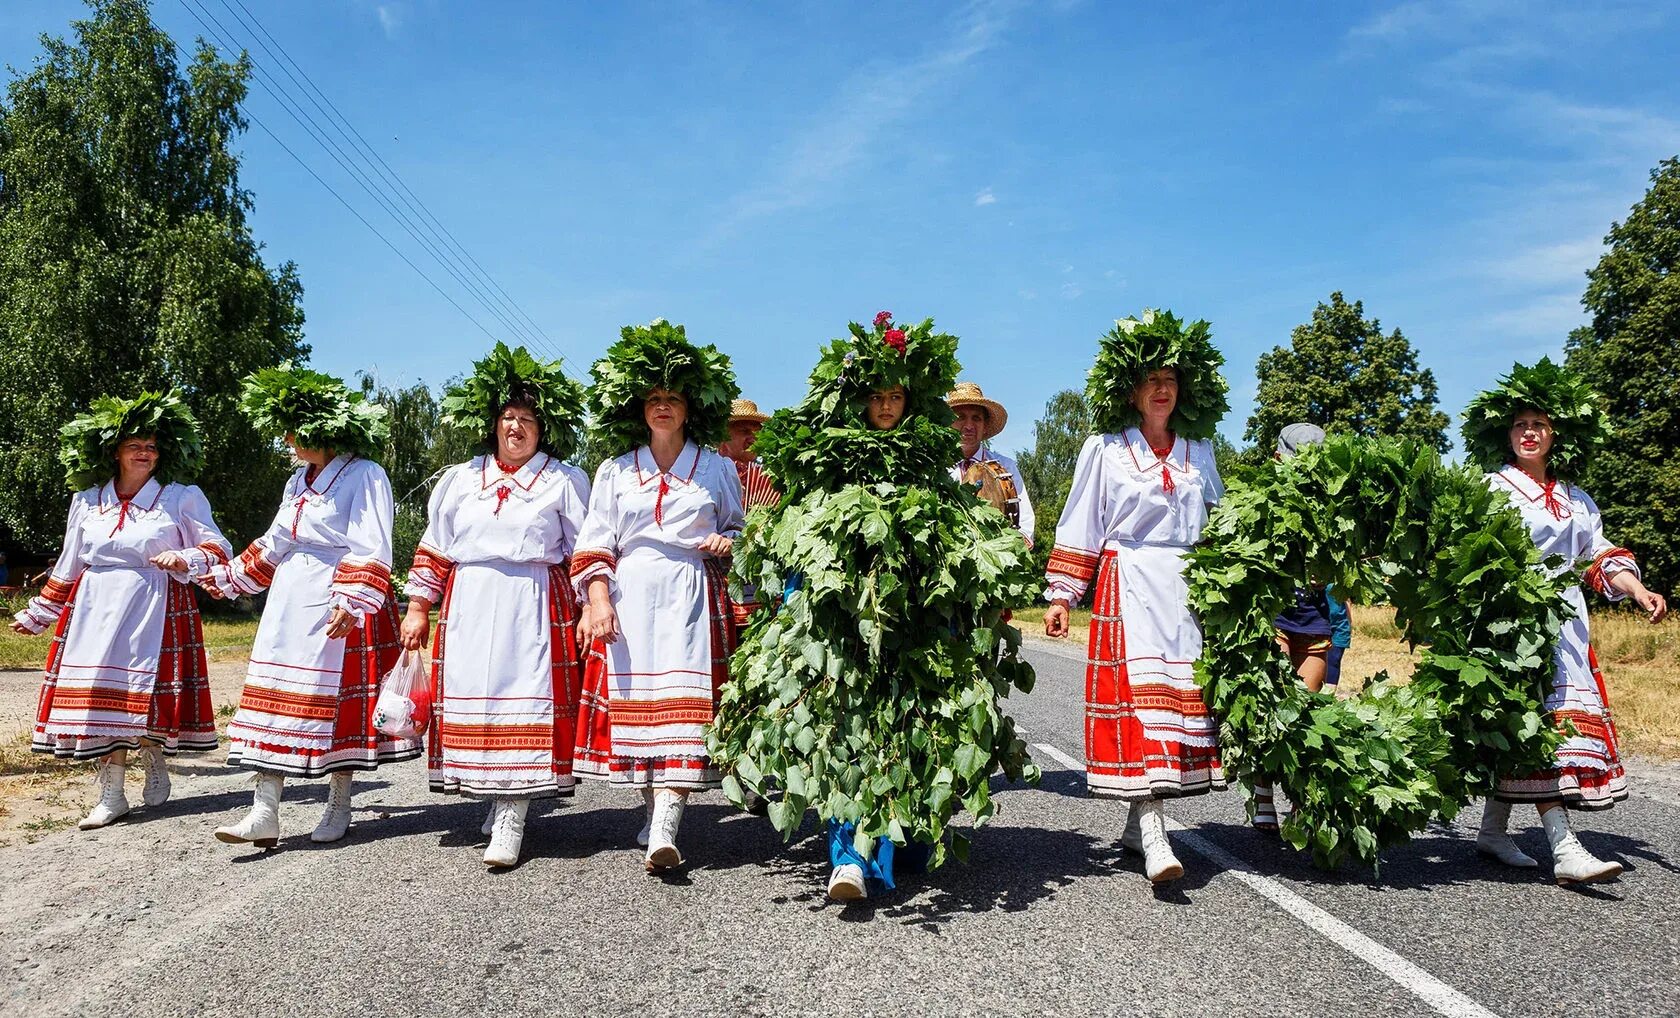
{"x":474,"y":404}
{"x":659,"y":355}
{"x":1580,"y":422}
{"x":317,"y":410}
{"x":1137,"y":346}
{"x":88,"y":444}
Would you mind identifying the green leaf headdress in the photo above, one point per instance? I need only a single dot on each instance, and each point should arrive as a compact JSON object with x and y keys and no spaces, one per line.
{"x":1580,"y":424}
{"x":1137,"y":346}
{"x":318,"y":410}
{"x":88,"y":444}
{"x":826,"y":443}
{"x":475,"y":403}
{"x":659,"y":355}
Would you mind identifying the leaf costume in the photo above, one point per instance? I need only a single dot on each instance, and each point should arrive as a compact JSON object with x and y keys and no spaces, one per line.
{"x":872,"y":695}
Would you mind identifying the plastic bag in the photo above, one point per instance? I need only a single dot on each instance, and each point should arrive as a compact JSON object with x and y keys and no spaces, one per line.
{"x":404,"y":707}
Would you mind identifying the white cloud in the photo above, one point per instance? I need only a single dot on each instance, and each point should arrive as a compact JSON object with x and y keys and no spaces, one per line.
{"x":390,"y":18}
{"x":985,"y":197}
{"x":1072,"y":291}
{"x":1546,"y":265}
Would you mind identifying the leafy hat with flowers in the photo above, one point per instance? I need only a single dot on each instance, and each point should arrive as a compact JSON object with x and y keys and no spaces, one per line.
{"x":1580,"y":423}
{"x":659,"y":355}
{"x":1137,"y":346}
{"x":88,"y":444}
{"x":474,"y":404}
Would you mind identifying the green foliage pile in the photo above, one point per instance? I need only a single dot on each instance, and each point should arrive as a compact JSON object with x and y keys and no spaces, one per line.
{"x":1579,"y":425}
{"x":473,"y":404}
{"x":89,"y":442}
{"x":1627,"y":355}
{"x":1383,"y":520}
{"x":317,"y":410}
{"x":872,"y":694}
{"x":658,"y":355}
{"x":1137,"y":346}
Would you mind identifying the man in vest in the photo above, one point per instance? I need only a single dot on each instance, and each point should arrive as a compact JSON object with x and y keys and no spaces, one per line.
{"x":979,"y":420}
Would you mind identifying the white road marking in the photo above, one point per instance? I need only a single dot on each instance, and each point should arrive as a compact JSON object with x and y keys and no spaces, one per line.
{"x":1438,"y":995}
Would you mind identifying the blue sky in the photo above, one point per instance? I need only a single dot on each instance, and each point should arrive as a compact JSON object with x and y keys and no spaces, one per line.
{"x":1023,"y":173}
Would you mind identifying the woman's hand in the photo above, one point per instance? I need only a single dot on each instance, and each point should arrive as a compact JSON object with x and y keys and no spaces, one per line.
{"x":1651,"y":601}
{"x":717,"y":545}
{"x":170,"y":561}
{"x":339,"y":624}
{"x":416,"y":627}
{"x":1056,"y":620}
{"x":599,"y":622}
{"x":22,"y":630}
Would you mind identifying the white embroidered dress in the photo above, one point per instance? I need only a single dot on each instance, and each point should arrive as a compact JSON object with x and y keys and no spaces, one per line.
{"x":1564,"y":521}
{"x":307,"y":706}
{"x":649,"y":695}
{"x":128,"y":660}
{"x":506,"y":674}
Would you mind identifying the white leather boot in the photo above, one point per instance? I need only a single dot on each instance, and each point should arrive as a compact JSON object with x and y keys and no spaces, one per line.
{"x":662,"y":851}
{"x":261,"y":826}
{"x":489,"y":824}
{"x":112,"y":802}
{"x":846,"y":883}
{"x":1571,"y":862}
{"x":647,"y":822}
{"x":507,"y":832}
{"x":1131,"y":837}
{"x":335,"y":822}
{"x":1494,"y":842}
{"x":1159,"y":863}
{"x":156,"y":792}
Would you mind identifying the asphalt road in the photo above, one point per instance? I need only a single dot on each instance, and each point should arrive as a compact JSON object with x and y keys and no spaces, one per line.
{"x":152,"y":916}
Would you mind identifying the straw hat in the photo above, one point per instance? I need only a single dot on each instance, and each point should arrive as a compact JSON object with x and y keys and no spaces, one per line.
{"x":746,"y":410}
{"x":969,"y":394}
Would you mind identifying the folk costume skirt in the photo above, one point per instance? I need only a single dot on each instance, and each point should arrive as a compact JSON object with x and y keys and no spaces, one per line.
{"x":506,"y":682}
{"x":1147,"y":732}
{"x":649,"y":695}
{"x":1588,"y":772}
{"x":126,"y":664}
{"x":307,"y":707}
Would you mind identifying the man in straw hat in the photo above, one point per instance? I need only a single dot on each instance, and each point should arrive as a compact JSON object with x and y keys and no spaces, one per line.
{"x":978,"y":420}
{"x":745,"y":420}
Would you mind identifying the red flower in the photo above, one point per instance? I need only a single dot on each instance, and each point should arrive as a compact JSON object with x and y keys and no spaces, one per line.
{"x":883,"y":318}
{"x":895,"y":339}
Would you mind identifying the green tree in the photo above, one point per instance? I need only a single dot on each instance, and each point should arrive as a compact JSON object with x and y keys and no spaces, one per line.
{"x":1047,"y":468}
{"x":1628,"y":354}
{"x":126,"y":262}
{"x":1343,"y":374}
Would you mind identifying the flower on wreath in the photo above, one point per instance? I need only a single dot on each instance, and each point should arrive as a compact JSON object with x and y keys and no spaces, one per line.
{"x":317,"y":410}
{"x":88,"y":444}
{"x":659,"y":355}
{"x":475,"y":403}
{"x":895,"y":338}
{"x":1152,"y":340}
{"x":883,"y":319}
{"x":1580,"y":421}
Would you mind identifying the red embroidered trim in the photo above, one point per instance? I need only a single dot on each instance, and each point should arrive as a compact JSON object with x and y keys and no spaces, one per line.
{"x":1074,"y":563}
{"x":57,"y":591}
{"x":1594,"y":576}
{"x":582,"y":561}
{"x":365,"y":574}
{"x":215,"y":552}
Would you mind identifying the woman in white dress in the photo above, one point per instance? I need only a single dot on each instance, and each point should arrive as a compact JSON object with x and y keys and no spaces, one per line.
{"x":329,"y":629}
{"x":652,"y":563}
{"x":496,"y":558}
{"x":126,"y":669}
{"x":1535,"y":431}
{"x":1140,"y":498}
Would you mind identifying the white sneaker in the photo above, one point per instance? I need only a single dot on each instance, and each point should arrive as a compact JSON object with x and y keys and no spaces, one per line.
{"x":260,"y":826}
{"x":846,"y":883}
{"x":647,"y":822}
{"x":1159,"y":863}
{"x":156,"y":792}
{"x":112,"y":802}
{"x":507,"y":833}
{"x":335,"y":822}
{"x":489,"y":824}
{"x":1494,"y":842}
{"x":1571,"y":862}
{"x":662,"y":851}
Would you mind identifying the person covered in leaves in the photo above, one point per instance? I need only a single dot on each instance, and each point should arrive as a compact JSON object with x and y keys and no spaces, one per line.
{"x":495,"y":558}
{"x":978,"y":421}
{"x":329,"y":629}
{"x":1535,"y":431}
{"x":1141,"y":492}
{"x":872,"y":695}
{"x":127,"y":669}
{"x":651,"y":561}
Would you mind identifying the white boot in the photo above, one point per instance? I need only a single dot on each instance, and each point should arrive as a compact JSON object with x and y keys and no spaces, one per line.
{"x":846,"y":883}
{"x":1131,"y":837}
{"x":1159,"y":863}
{"x":156,"y":792}
{"x":662,"y":851}
{"x":647,"y":822}
{"x":335,"y":822}
{"x":489,"y":824}
{"x":507,"y":832}
{"x":1494,"y":842}
{"x":1571,"y":862}
{"x":261,"y":826}
{"x":112,"y":802}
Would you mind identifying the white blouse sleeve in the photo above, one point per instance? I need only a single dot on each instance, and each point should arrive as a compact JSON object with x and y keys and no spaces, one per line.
{"x":44,"y":609}
{"x":726,"y":489}
{"x":1080,"y":532}
{"x":596,"y":553}
{"x":204,"y":547}
{"x":434,"y":556}
{"x":362,"y":582}
{"x":1607,"y":559}
{"x":253,"y":570}
{"x":1213,"y":487}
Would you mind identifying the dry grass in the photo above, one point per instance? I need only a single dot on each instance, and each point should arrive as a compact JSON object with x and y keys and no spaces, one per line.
{"x":226,"y":639}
